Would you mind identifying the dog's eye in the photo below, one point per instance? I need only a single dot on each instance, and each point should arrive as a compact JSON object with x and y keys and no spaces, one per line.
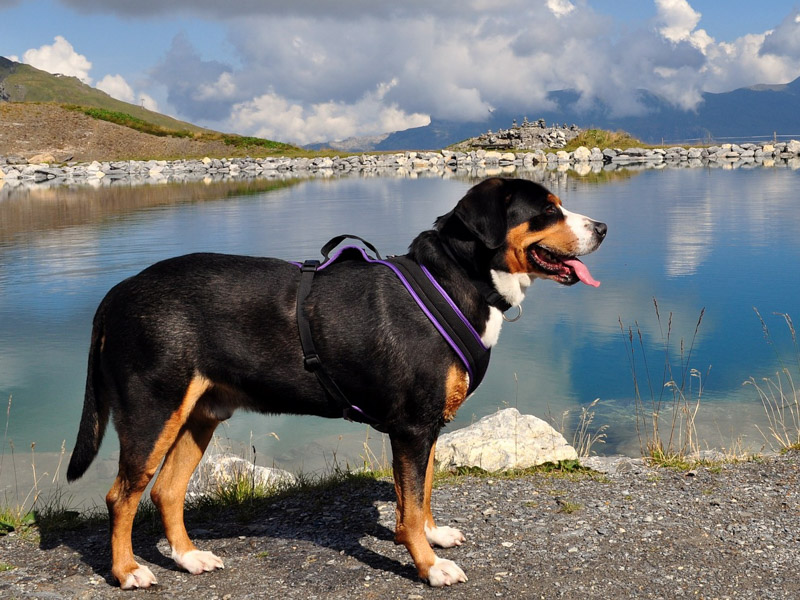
{"x":551,"y":210}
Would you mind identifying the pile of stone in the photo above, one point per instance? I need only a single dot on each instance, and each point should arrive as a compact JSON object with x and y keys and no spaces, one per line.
{"x":528,"y":136}
{"x":15,"y":170}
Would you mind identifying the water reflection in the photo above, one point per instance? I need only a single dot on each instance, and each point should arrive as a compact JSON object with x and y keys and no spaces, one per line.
{"x":725,"y":240}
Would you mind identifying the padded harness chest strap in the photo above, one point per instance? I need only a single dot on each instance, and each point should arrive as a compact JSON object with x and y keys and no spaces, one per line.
{"x":432,"y":299}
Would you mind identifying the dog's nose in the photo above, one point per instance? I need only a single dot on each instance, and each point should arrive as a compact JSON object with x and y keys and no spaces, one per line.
{"x":600,"y":229}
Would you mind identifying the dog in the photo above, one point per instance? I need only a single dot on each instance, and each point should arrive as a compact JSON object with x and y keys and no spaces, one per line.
{"x":176,"y":349}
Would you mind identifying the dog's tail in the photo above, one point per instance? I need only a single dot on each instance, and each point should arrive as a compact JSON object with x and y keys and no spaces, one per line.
{"x":95,"y":410}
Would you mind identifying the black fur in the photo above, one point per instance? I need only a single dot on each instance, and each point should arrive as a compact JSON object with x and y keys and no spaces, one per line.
{"x":232,"y":320}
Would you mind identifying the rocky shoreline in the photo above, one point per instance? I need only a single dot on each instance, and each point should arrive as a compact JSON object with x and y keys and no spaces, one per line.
{"x":16,"y":170}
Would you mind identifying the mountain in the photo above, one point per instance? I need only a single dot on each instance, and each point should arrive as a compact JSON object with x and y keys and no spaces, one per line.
{"x":24,"y":83}
{"x":751,"y":113}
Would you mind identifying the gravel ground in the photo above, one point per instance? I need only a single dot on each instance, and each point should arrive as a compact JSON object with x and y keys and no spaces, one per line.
{"x":635,"y":532}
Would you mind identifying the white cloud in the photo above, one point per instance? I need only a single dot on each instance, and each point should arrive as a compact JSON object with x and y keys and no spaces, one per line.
{"x":116,"y":87}
{"x":678,"y":17}
{"x":223,"y":88}
{"x":59,"y":58}
{"x":560,"y":8}
{"x":148,"y":102}
{"x":274,"y":117}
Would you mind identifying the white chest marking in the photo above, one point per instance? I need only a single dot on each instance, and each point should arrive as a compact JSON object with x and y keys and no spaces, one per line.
{"x":492,"y":332}
{"x":512,"y":286}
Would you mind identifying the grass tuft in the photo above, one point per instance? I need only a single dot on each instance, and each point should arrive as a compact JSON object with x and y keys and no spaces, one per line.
{"x":666,"y":412}
{"x":602,"y":138}
{"x":779,"y":394}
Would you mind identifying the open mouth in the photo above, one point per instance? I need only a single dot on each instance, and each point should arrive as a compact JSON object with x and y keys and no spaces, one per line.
{"x":563,"y":269}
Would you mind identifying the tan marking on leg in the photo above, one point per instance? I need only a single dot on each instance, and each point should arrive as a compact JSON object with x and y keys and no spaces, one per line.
{"x":444,"y":537}
{"x":124,"y":495}
{"x":169,"y":490}
{"x":456,"y":388}
{"x":410,"y":530}
{"x":122,"y":503}
{"x":429,"y":487}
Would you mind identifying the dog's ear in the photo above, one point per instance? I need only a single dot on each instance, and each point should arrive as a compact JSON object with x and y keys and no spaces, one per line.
{"x":483,"y":211}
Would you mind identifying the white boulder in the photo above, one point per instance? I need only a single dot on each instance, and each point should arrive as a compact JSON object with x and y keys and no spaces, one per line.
{"x":502,"y":441}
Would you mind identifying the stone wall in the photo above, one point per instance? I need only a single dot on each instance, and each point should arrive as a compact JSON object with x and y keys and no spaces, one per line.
{"x":16,"y":171}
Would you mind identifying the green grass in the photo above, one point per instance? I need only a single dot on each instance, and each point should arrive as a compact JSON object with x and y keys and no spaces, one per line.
{"x":151,"y":128}
{"x":602,"y":139}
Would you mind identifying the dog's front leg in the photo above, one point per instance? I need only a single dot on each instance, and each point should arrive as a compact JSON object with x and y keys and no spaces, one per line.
{"x":444,"y":537}
{"x":413,"y":480}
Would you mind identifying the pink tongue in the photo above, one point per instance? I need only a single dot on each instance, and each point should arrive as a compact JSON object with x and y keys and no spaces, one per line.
{"x":582,"y":272}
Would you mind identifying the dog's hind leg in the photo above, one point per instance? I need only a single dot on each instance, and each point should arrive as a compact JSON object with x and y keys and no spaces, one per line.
{"x":413,"y":476}
{"x":169,"y":492}
{"x":135,"y":472}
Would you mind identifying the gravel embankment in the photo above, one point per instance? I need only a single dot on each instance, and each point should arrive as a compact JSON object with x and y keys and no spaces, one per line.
{"x":727,"y":532}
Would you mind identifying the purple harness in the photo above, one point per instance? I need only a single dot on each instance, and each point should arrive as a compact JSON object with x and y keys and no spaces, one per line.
{"x":432,"y":299}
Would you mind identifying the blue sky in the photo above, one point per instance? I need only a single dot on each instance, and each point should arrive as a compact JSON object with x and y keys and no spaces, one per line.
{"x":311,"y":70}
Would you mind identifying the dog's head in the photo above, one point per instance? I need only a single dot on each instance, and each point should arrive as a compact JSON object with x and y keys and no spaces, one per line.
{"x":528,"y":231}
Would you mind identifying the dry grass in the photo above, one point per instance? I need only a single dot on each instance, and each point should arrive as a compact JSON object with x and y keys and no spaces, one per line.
{"x":779,"y":395}
{"x":666,"y":410}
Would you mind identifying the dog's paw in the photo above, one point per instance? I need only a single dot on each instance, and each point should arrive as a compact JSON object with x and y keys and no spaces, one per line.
{"x":140,"y":577}
{"x":444,"y":537}
{"x":445,"y":572}
{"x":198,"y":561}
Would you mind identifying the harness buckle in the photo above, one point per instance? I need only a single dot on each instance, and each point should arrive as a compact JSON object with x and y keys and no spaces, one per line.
{"x":312,"y":362}
{"x":309,"y":266}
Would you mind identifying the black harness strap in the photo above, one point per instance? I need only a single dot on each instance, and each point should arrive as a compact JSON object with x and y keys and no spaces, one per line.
{"x":433,"y":300}
{"x":475,"y":354}
{"x":311,"y":359}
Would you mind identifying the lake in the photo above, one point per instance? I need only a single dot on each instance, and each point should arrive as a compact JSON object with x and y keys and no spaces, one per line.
{"x":681,"y":241}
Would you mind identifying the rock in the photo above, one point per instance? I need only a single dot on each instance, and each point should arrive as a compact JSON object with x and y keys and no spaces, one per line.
{"x":582,"y":154}
{"x":502,"y":441}
{"x":44,"y":158}
{"x":223,"y":469}
{"x":613,"y":465}
{"x":793,"y":147}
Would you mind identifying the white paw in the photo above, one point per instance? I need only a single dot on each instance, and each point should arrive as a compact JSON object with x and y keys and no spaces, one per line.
{"x":197,"y":561}
{"x":445,"y":572}
{"x":444,"y":537}
{"x":141,"y":577}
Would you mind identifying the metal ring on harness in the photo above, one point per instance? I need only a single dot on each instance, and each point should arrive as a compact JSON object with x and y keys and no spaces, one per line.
{"x":519,"y":314}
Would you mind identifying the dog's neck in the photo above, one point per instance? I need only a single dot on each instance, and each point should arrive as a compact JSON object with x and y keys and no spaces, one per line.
{"x":467,"y":287}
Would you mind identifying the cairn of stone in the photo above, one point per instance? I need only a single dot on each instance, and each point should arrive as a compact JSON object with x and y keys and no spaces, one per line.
{"x":527,"y":136}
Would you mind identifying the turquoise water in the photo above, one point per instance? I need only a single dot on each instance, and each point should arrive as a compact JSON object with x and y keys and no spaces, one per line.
{"x":721,"y":240}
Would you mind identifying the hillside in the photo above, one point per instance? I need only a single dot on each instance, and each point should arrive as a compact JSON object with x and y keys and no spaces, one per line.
{"x":61,"y":117}
{"x":23,"y":83}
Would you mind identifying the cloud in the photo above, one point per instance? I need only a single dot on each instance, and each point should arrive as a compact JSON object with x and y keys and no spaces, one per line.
{"x":274,"y":117}
{"x":116,"y":87}
{"x":784,"y":40}
{"x":198,"y":89}
{"x":59,"y":58}
{"x":560,"y":8}
{"x":401,"y":62}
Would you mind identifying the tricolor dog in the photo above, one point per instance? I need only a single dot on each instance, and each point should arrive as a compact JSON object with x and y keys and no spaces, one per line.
{"x":176,"y":349}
